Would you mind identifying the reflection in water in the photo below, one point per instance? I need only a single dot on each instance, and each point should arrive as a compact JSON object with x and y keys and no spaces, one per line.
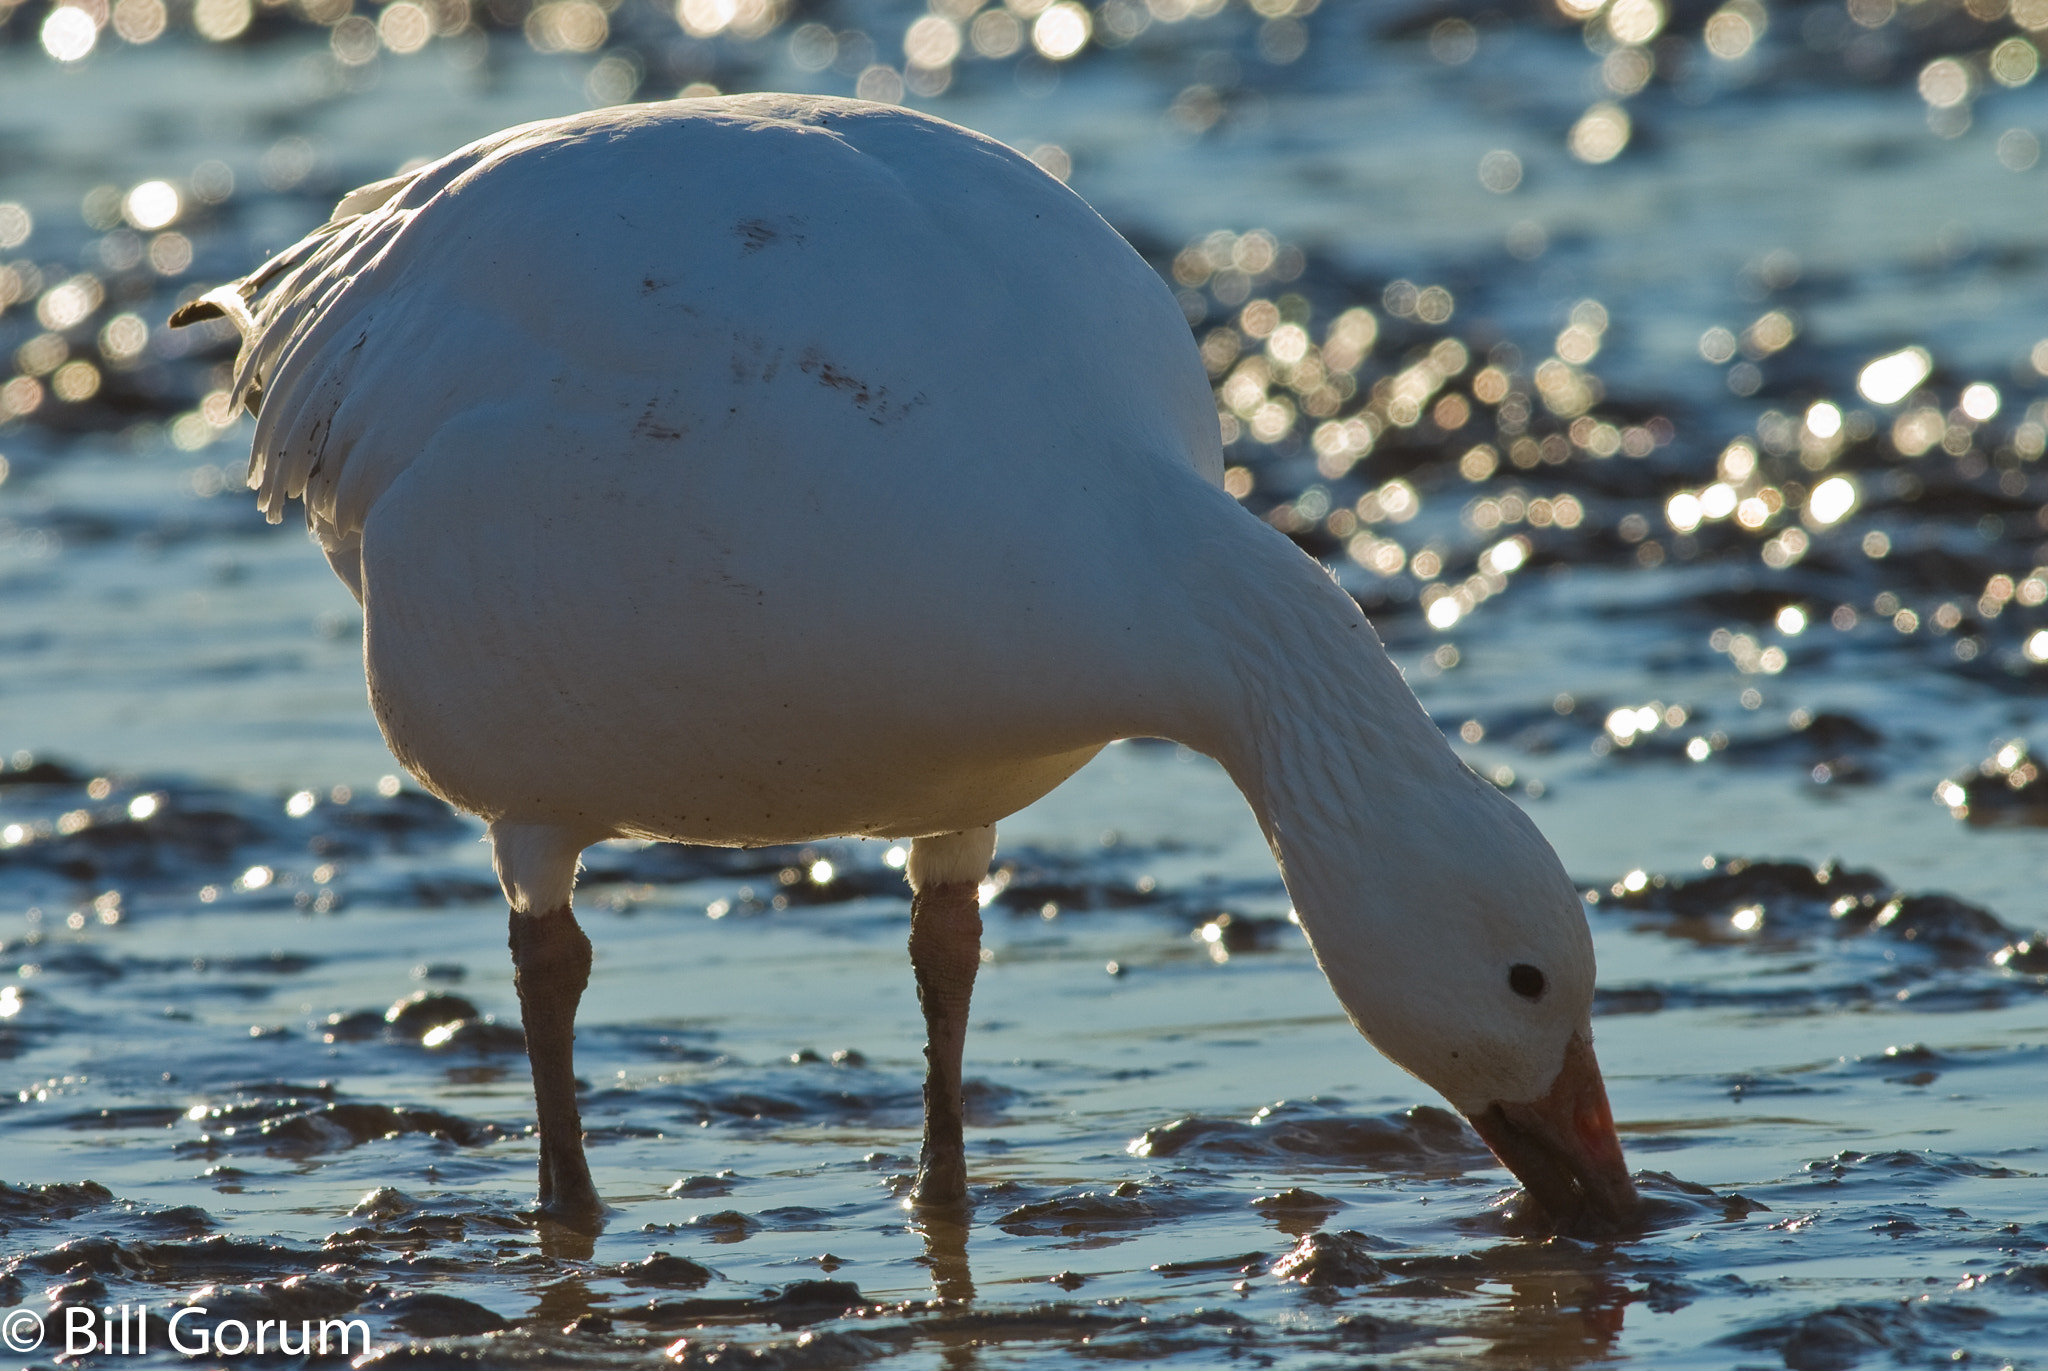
{"x":956,"y":1354}
{"x":564,"y":1301}
{"x":1559,"y":1317}
{"x":945,"y":1253}
{"x":558,"y":1242}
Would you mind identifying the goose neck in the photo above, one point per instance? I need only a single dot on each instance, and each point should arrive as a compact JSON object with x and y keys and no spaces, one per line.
{"x":1348,"y":775}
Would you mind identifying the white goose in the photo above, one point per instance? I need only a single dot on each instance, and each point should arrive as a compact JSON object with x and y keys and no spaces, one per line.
{"x":768,"y":468}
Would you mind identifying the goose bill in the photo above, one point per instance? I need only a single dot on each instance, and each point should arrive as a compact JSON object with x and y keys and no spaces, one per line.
{"x":1563,"y":1148}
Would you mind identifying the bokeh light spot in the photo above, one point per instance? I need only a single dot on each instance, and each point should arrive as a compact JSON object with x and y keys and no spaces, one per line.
{"x":354,"y":41}
{"x":1892,"y":377}
{"x":996,"y":34}
{"x":1061,"y":31}
{"x":68,"y":304}
{"x":2014,"y":62}
{"x":140,"y":21}
{"x":1945,"y":83}
{"x":1053,"y":160}
{"x":68,"y":33}
{"x":75,"y":381}
{"x":880,"y":83}
{"x":2018,"y":149}
{"x":124,"y":337}
{"x":404,"y":27}
{"x":16,"y":223}
{"x":220,"y":21}
{"x":1600,"y":134}
{"x":813,"y":47}
{"x":1771,"y":333}
{"x":1635,"y":21}
{"x":568,"y":26}
{"x":1627,"y":70}
{"x":1453,"y":42}
{"x":1500,"y":171}
{"x":1682,"y":511}
{"x":932,"y":41}
{"x":151,"y":205}
{"x":1733,"y":29}
{"x":170,"y":254}
{"x":706,"y":18}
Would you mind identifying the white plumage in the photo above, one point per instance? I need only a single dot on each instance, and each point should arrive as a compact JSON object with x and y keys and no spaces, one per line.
{"x":767,"y":468}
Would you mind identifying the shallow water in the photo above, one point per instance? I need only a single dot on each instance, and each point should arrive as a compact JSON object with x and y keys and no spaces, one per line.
{"x":209,"y":898}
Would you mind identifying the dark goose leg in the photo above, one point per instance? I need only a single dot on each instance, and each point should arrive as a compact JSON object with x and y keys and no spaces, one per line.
{"x":550,"y":967}
{"x":551,"y":961}
{"x":945,"y":952}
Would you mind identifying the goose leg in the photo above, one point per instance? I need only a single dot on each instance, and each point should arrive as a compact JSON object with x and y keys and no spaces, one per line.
{"x":551,"y":966}
{"x":945,"y":951}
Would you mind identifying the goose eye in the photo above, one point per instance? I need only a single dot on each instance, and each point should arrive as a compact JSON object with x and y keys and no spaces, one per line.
{"x":1526,"y":981}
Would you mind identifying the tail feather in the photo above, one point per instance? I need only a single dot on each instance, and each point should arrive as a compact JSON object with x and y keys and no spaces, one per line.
{"x":276,"y":308}
{"x":301,"y":343}
{"x":197,"y":311}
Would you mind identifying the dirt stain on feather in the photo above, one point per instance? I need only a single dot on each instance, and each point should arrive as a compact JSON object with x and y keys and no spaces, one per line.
{"x":873,"y":401}
{"x":649,"y":427}
{"x":755,"y":234}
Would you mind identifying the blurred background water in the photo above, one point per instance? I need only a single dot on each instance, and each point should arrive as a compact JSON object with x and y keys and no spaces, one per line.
{"x":1666,"y":379}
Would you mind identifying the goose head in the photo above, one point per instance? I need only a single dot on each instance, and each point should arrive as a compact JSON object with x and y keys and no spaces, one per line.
{"x":1477,"y":977}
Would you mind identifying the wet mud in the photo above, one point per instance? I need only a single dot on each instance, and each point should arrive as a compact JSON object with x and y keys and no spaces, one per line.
{"x":1329,"y":1229}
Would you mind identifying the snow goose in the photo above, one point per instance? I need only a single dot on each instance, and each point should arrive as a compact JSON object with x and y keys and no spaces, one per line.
{"x":766,"y":468}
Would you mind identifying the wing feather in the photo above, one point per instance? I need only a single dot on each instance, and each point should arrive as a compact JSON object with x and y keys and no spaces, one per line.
{"x":304,"y":327}
{"x":429,"y":293}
